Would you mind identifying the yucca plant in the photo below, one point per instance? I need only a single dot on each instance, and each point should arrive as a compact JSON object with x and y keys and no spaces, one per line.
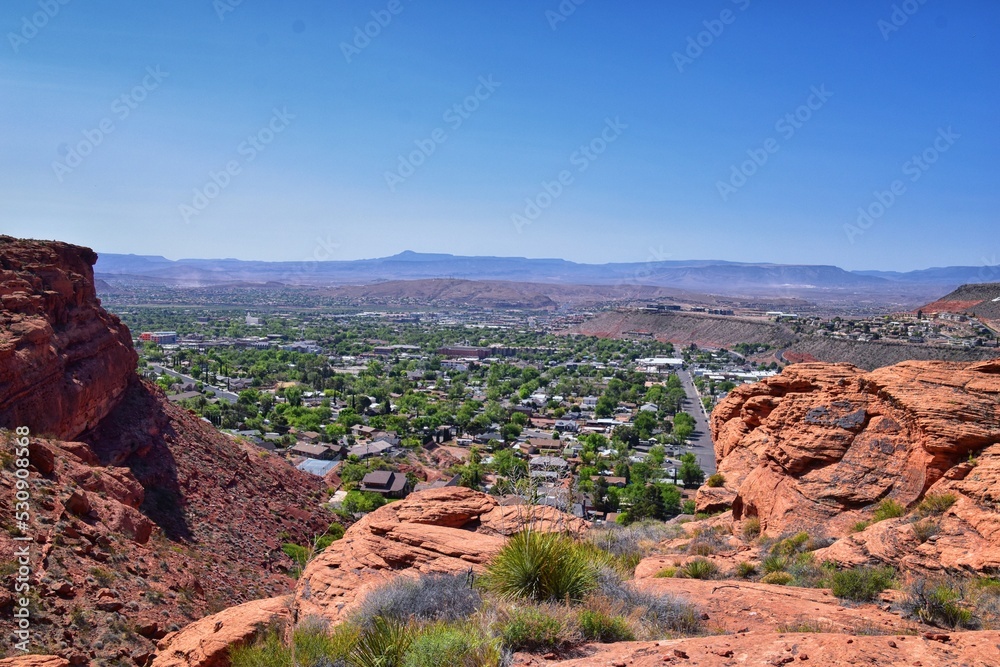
{"x":541,"y":566}
{"x":384,"y":644}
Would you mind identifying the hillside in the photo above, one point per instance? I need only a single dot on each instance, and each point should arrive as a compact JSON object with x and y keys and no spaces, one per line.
{"x":714,"y":331}
{"x":142,"y":516}
{"x":982,"y":300}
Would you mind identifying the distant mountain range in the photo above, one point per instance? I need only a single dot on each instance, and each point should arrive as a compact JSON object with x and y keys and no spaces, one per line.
{"x":705,"y":276}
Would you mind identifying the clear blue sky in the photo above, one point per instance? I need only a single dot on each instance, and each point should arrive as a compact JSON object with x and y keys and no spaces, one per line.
{"x":319,"y":187}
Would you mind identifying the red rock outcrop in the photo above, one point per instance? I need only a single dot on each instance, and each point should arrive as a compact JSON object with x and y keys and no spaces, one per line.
{"x":818,"y":446}
{"x":143,"y":517}
{"x":206,"y":642}
{"x":64,"y":360}
{"x":446,"y":530}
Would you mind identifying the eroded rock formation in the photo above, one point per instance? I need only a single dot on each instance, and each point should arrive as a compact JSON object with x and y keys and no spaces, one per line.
{"x":817,"y":447}
{"x":64,"y":360}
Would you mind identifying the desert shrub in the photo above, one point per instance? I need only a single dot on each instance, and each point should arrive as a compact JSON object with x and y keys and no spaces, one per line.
{"x":443,"y":645}
{"x":659,"y":615}
{"x":687,"y":507}
{"x":792,"y":545}
{"x":298,"y":553}
{"x":630,"y":544}
{"x":777,"y":578}
{"x":939,"y":603}
{"x":666,"y":573}
{"x":316,"y":646}
{"x":936,"y":503}
{"x":699,"y":568}
{"x":541,"y":566}
{"x":860,"y":526}
{"x":926,"y":529}
{"x":862,"y":584}
{"x":535,"y":628}
{"x":715,"y":480}
{"x":601,"y":627}
{"x":807,"y":573}
{"x":745,"y":570}
{"x":706,"y":543}
{"x":774,"y":563}
{"x":751,"y":528}
{"x":268,"y":651}
{"x":383,"y":643}
{"x":434,"y":597}
{"x":888,"y":509}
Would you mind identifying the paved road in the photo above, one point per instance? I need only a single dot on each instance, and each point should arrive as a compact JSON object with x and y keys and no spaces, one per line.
{"x":220,"y":393}
{"x":701,"y":441}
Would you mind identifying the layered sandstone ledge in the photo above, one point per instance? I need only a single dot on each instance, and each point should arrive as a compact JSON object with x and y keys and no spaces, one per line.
{"x":64,"y":360}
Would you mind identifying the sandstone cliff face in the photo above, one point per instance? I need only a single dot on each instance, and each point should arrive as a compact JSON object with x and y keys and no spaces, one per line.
{"x":64,"y":361}
{"x":817,"y":447}
{"x":143,"y":517}
{"x":440,"y":530}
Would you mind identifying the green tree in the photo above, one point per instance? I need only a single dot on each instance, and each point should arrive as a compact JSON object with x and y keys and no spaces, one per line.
{"x":691,"y":473}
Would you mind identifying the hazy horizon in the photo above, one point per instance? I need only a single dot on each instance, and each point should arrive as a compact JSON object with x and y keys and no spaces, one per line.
{"x":855,"y":135}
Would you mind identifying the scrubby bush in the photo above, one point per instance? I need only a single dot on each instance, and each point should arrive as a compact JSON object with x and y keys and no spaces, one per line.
{"x":666,"y":573}
{"x":751,"y":528}
{"x":630,"y":544}
{"x":715,"y":480}
{"x":939,"y":603}
{"x":443,"y":645}
{"x":268,"y":651}
{"x":926,"y":529}
{"x":745,"y":570}
{"x":699,"y":568}
{"x":774,"y":563}
{"x":659,"y":615}
{"x":862,"y":584}
{"x":777,"y":578}
{"x":936,"y":503}
{"x":434,"y":597}
{"x":535,"y":628}
{"x":601,"y":627}
{"x":706,"y":543}
{"x":888,"y":509}
{"x":791,"y":545}
{"x":860,"y":526}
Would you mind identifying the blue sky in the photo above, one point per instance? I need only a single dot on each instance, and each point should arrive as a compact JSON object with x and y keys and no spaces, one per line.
{"x":615,"y":132}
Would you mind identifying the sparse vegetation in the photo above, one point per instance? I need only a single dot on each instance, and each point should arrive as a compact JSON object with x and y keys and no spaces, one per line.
{"x":777,"y":578}
{"x":601,"y":627}
{"x":434,"y":597}
{"x":751,"y":528}
{"x":887,"y":509}
{"x":745,"y":570}
{"x":935,"y":503}
{"x":666,"y":573}
{"x":940,"y":603}
{"x":926,"y":529}
{"x":862,"y":584}
{"x":716,"y":480}
{"x":699,"y":568}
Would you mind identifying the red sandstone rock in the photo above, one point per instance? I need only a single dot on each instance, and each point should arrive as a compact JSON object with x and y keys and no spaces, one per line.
{"x":819,"y":445}
{"x":206,"y":643}
{"x":32,"y":660}
{"x":64,"y":360}
{"x":446,"y":530}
